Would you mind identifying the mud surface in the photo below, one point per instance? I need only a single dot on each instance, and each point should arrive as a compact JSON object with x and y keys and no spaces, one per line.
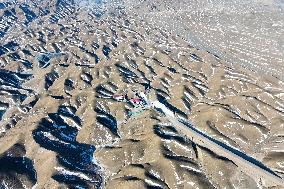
{"x":61,"y":127}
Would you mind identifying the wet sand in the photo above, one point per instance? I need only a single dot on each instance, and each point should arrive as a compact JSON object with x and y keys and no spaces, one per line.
{"x":61,"y":127}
